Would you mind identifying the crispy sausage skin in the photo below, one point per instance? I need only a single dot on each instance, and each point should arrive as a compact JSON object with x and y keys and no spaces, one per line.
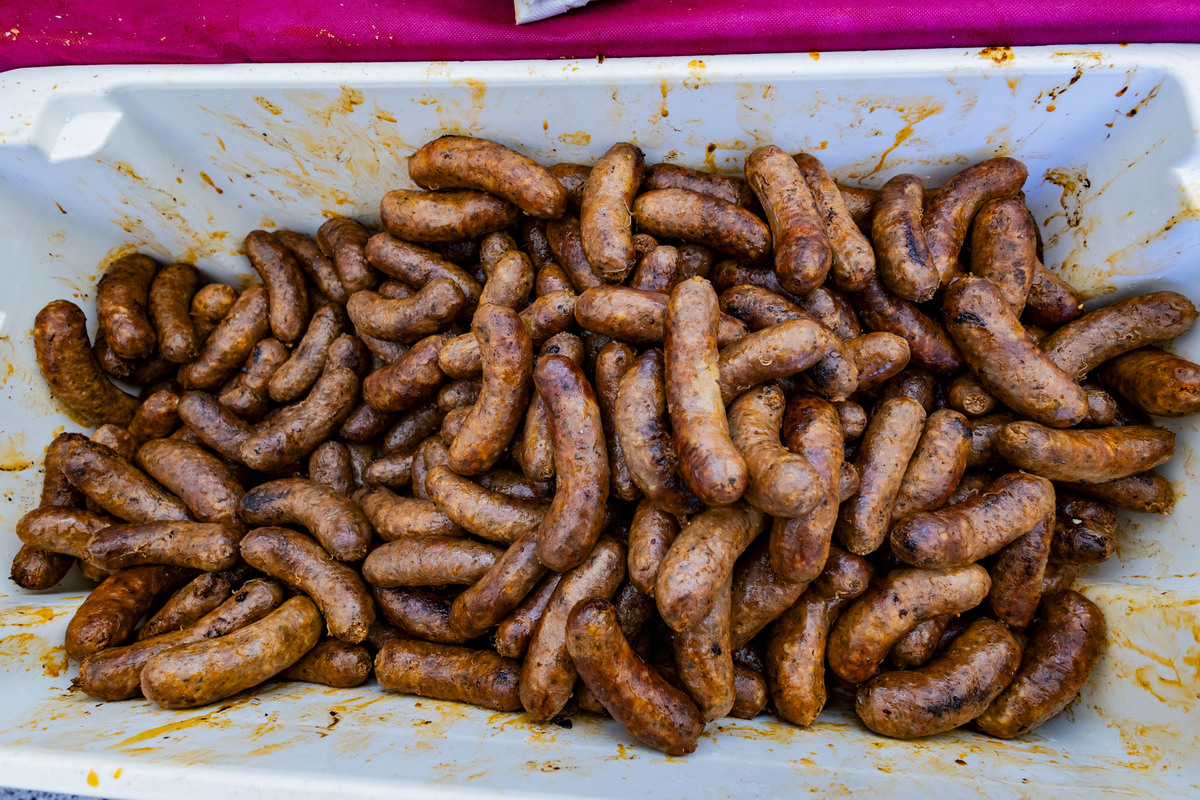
{"x":417,"y":266}
{"x":947,"y":692}
{"x":707,"y":220}
{"x":853,"y":259}
{"x":775,"y":352}
{"x":107,"y":617}
{"x":704,"y":658}
{"x":729,"y":188}
{"x":898,"y":233}
{"x":782,"y":483}
{"x":1017,"y":572}
{"x":1087,"y":456}
{"x":484,"y":513}
{"x":287,"y":291}
{"x":956,"y":203}
{"x":604,"y":217}
{"x":345,"y":240}
{"x":198,"y":597}
{"x":1060,"y":656}
{"x":65,"y":359}
{"x":499,"y":590}
{"x":1051,"y":300}
{"x":121,"y":299}
{"x":332,"y":663}
{"x":513,"y":633}
{"x":297,"y":375}
{"x":447,"y":216}
{"x":207,"y":671}
{"x":34,"y":569}
{"x":168,"y":302}
{"x":1004,"y":249}
{"x":332,"y":518}
{"x":446,"y":672}
{"x":1155,"y":381}
{"x":1004,"y":357}
{"x":937,"y":464}
{"x":802,"y":252}
{"x":894,"y":605}
{"x":638,"y":316}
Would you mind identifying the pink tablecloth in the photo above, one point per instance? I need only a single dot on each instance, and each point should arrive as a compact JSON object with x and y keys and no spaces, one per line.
{"x":41,"y":32}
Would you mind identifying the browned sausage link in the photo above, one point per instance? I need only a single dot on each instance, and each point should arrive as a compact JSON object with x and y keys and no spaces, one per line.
{"x":882,"y":458}
{"x":121,"y":298}
{"x":515,"y":485}
{"x":1082,"y":541}
{"x":709,"y":461}
{"x":510,"y":280}
{"x":1080,"y":346}
{"x":937,"y":464}
{"x":1087,"y":456}
{"x":861,"y":203}
{"x":349,"y":352}
{"x":693,"y":217}
{"x":66,"y":362}
{"x":776,"y":352}
{"x":296,"y":376}
{"x":298,"y":561}
{"x":107,"y":617}
{"x":750,"y":688}
{"x":898,"y":233}
{"x":928,"y":343}
{"x":795,"y":657}
{"x":948,"y":692}
{"x":431,"y":454}
{"x":117,"y":439}
{"x":210,"y":670}
{"x":332,"y":663}
{"x":208,"y":546}
{"x":157,"y":417}
{"x":853,"y":260}
{"x":34,"y":569}
{"x":962,"y":534}
{"x":695,"y":260}
{"x":149,"y":371}
{"x":445,"y":672}
{"x":1003,"y":249}
{"x":418,"y":266}
{"x":448,"y":216}
{"x":329,"y":465}
{"x":802,"y":250}
{"x":247,"y":395}
{"x":227,"y":347}
{"x":117,"y":486}
{"x":613,"y":361}
{"x":566,"y":243}
{"x":534,"y":240}
{"x":878,"y":356}
{"x":966,"y":394}
{"x":344,"y":240}
{"x":507,"y":353}
{"x":894,"y":605}
{"x":985,"y":435}
{"x":56,"y":489}
{"x":730,"y":188}
{"x":1060,"y":656}
{"x":728,"y":273}
{"x":640,"y":420}
{"x":915,"y":383}
{"x":428,"y":311}
{"x":638,"y":317}
{"x":548,"y":673}
{"x":512,"y":635}
{"x":417,"y":612}
{"x":956,"y":203}
{"x":61,"y":530}
{"x":484,"y":513}
{"x":760,"y":308}
{"x":920,"y":644}
{"x":1102,"y":406}
{"x":182,"y":609}
{"x":115,"y":673}
{"x":394,"y":517}
{"x":466,"y":162}
{"x":650,"y":536}
{"x":214,"y":424}
{"x":210,"y":304}
{"x":852,"y":417}
{"x":552,"y":278}
{"x":411,"y":429}
{"x":1051,"y":300}
{"x":429,"y":561}
{"x":1147,"y":492}
{"x":782,"y":483}
{"x":704,"y":658}
{"x":700,"y":561}
{"x":169,"y":298}
{"x":492,"y":247}
{"x":833,"y":310}
{"x":333,"y":519}
{"x":316,"y":265}
{"x":604,"y":216}
{"x":1017,"y":573}
{"x":1005,"y":358}
{"x":658,"y":270}
{"x":295,"y":430}
{"x":393,"y":471}
{"x":759,"y":594}
{"x":287,"y":290}
{"x":409,"y":382}
{"x":499,"y":590}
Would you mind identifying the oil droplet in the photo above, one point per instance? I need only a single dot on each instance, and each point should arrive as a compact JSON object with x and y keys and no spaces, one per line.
{"x":267,"y":106}
{"x":204,"y":177}
{"x":93,"y":779}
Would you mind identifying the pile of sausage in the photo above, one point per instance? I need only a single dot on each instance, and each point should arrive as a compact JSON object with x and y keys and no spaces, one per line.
{"x":613,"y":433}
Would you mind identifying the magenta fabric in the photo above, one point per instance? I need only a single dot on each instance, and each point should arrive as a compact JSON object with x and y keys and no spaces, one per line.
{"x":44,"y":32}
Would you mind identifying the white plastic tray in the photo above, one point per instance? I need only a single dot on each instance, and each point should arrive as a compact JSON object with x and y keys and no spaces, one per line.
{"x":182,"y":161}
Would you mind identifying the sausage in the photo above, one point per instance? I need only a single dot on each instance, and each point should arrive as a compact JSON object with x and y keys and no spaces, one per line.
{"x":332,"y":663}
{"x":920,"y":644}
{"x":209,"y":306}
{"x":962,"y":534}
{"x":948,"y":692}
{"x":795,"y":657}
{"x":548,"y":673}
{"x":230,"y":343}
{"x":657,"y":271}
{"x":298,"y":561}
{"x":117,"y":439}
{"x":775,"y":352}
{"x":489,"y":426}
{"x":214,"y":424}
{"x":115,"y":673}
{"x":429,"y":561}
{"x":937,"y":464}
{"x":852,"y":418}
{"x":208,"y":546}
{"x":34,"y":569}
{"x":512,"y":635}
{"x":878,"y":356}
{"x":248,"y":394}
{"x":207,"y":671}
{"x":802,"y":249}
{"x":167,"y":305}
{"x":966,"y":394}
{"x":121,"y":299}
{"x":1102,"y":406}
{"x":107,"y":616}
{"x":411,"y":428}
{"x":295,"y":430}
{"x":157,"y":417}
{"x":1005,"y":359}
{"x":405,"y":320}
{"x":1004,"y":249}
{"x":611,"y":364}
{"x":678,"y":213}
{"x":642,"y":428}
{"x":1087,"y":456}
{"x":638,"y":317}
{"x":1017,"y":572}
{"x":499,"y":590}
{"x":782,"y":483}
{"x":573,"y":522}
{"x":651,"y":533}
{"x":853,"y":260}
{"x":465,"y":162}
{"x":534,"y":452}
{"x":117,"y":486}
{"x":1083,"y":532}
{"x":604,"y":217}
{"x":446,"y":672}
{"x":759,"y":595}
{"x":552,"y":278}
{"x":410,"y":381}
{"x":330,"y":466}
{"x":66,"y":362}
{"x":729,"y":188}
{"x":394,"y":517}
{"x":898,"y":233}
{"x":1051,"y":300}
{"x":1084,"y":344}
{"x":887,"y":446}
{"x":1147,"y":492}
{"x":484,"y":513}
{"x":447,"y":216}
{"x":509,"y":280}
{"x":202,"y":481}
{"x":431,"y":454}
{"x":56,"y":489}
{"x":515,"y":485}
{"x":929,"y":346}
{"x":728,"y":273}
{"x":704,"y":658}
{"x":700,"y":561}
{"x":751,"y":693}
{"x":566,"y":244}
{"x":287,"y":291}
{"x":316,"y":264}
{"x":196,"y":599}
{"x":957,"y":202}
{"x":892,"y":606}
{"x":1060,"y":656}
{"x":394,"y":471}
{"x":61,"y":530}
{"x":345,"y":240}
{"x":709,"y":461}
{"x":418,"y":266}
{"x":985,"y":435}
{"x":417,"y":612}
{"x":833,"y":310}
{"x":333,"y":519}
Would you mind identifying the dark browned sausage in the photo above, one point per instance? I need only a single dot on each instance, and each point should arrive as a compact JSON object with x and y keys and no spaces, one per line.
{"x":208,"y":546}
{"x":485,"y":513}
{"x":297,"y":375}
{"x":58,"y":529}
{"x":730,"y":188}
{"x":410,"y":381}
{"x":227,"y":347}
{"x":417,"y":612}
{"x":418,"y":266}
{"x":344,"y":240}
{"x":121,"y":298}
{"x":213,"y":424}
{"x":604,"y":217}
{"x":294,"y":431}
{"x":332,"y":663}
{"x":514,"y":631}
{"x":157,"y":417}
{"x":34,"y":569}
{"x":499,"y":590}
{"x":316,"y":264}
{"x":429,"y":561}
{"x":802,"y":252}
{"x":937,"y":464}
{"x":638,"y":317}
{"x":248,"y":395}
{"x":196,"y":599}
{"x":117,"y":486}
{"x":287,"y":290}
{"x":775,"y":352}
{"x":928,"y":343}
{"x":107,"y":617}
{"x":956,"y":203}
{"x":1017,"y":572}
{"x":201,"y":480}
{"x":169,"y":299}
{"x":447,"y":216}
{"x":1051,"y":300}
{"x":898,"y":234}
{"x":1087,"y":456}
{"x":1147,"y":492}
{"x":332,"y":518}
{"x":1003,"y":249}
{"x":453,"y":673}
{"x":707,"y":220}
{"x":210,"y":304}
{"x":1155,"y":381}
{"x":853,"y":260}
{"x":782,"y":483}
{"x":966,"y":394}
